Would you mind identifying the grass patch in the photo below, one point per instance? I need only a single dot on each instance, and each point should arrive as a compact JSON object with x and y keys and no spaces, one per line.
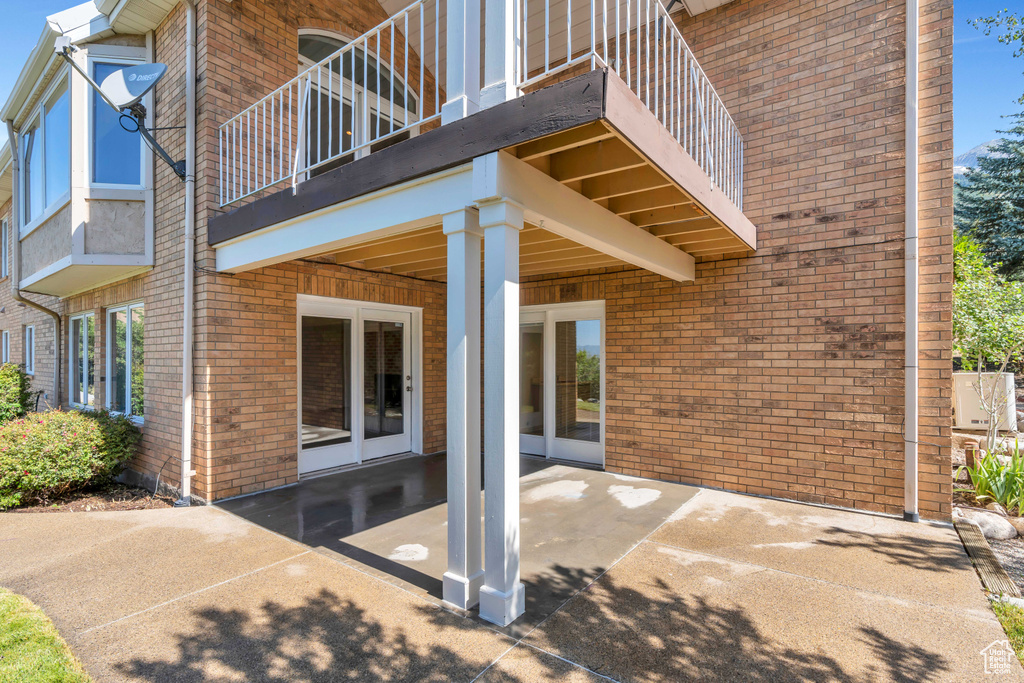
{"x":591,"y":407}
{"x":31,"y":650}
{"x":1012,"y":619}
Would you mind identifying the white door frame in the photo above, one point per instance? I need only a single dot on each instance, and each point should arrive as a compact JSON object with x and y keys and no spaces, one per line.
{"x":549,"y":445}
{"x":358,"y":311}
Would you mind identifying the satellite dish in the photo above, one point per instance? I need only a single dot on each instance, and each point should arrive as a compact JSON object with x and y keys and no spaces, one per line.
{"x":126,"y":87}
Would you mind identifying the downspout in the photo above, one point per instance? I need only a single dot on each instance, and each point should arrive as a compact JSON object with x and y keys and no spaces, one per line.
{"x":15,"y":265}
{"x":910,"y":248}
{"x":189,"y":249}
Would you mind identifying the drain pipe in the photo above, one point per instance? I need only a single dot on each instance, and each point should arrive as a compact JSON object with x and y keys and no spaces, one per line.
{"x":910,"y":250}
{"x":15,"y":265}
{"x":189,"y":249}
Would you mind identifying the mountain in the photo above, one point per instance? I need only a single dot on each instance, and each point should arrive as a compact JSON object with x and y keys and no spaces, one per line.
{"x":969,"y":159}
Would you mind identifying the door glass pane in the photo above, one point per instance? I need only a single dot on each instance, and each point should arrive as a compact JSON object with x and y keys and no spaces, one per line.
{"x":383,"y":378}
{"x":137,"y":340}
{"x":119,"y":357}
{"x":89,"y":356}
{"x":326,"y":381}
{"x":578,"y":380}
{"x":77,"y":361}
{"x":531,"y":379}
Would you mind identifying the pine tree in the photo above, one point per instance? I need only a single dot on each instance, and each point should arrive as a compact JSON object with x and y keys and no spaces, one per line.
{"x":989,"y":203}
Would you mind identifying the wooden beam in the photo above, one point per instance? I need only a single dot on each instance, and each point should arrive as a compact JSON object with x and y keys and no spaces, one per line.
{"x":691,"y":242}
{"x":684,"y":227}
{"x":594,"y":159}
{"x":567,"y":265}
{"x":622,"y":183}
{"x":660,"y":198}
{"x":645,"y":219}
{"x":561,"y":142}
{"x":572,"y":252}
{"x":723,"y":247}
{"x":395,"y":245}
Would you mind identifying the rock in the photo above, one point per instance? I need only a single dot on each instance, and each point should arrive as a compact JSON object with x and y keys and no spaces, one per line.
{"x":992,"y":526}
{"x":1018,"y":524}
{"x":997,"y":508}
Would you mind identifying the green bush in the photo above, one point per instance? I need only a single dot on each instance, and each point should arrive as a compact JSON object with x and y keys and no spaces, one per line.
{"x":999,"y":480}
{"x":16,"y":395}
{"x":49,"y":454}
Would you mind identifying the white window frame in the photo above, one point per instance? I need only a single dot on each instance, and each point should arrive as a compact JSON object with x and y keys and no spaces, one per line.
{"x":72,"y":342}
{"x":38,"y":117}
{"x":109,"y":334}
{"x":5,"y":237}
{"x":29,"y":352}
{"x":98,"y":57}
{"x":5,"y":346}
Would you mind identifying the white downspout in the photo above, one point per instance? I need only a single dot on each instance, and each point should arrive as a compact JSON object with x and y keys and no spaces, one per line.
{"x":15,"y":265}
{"x":910,"y":443}
{"x":189,"y":249}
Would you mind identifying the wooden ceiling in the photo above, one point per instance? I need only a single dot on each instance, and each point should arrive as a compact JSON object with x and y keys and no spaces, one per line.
{"x":595,"y":161}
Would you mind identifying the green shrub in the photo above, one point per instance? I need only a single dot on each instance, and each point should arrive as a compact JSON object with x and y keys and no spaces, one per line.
{"x":49,"y":454}
{"x":999,"y":480}
{"x":16,"y":395}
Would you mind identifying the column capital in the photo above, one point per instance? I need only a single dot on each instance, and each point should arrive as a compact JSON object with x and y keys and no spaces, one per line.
{"x":465,"y":220}
{"x":501,"y":212}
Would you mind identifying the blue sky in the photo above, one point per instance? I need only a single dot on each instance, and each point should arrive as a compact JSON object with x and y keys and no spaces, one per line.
{"x":986,"y":78}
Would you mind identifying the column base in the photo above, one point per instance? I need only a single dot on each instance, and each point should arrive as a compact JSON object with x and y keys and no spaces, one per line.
{"x":460,"y":591}
{"x":502,"y":608}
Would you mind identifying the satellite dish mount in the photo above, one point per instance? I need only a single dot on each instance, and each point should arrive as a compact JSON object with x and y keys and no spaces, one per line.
{"x":123,"y":91}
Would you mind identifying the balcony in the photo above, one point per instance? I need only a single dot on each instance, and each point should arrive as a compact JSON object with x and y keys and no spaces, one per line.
{"x":606,"y":99}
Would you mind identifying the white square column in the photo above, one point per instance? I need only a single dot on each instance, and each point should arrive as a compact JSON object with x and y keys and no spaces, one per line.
{"x":462,"y":68}
{"x":502,"y":598}
{"x":502,"y":68}
{"x":462,"y":581}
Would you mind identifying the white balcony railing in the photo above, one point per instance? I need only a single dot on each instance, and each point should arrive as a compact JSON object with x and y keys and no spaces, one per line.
{"x":379,"y":87}
{"x":637,"y":40}
{"x":389,"y":83}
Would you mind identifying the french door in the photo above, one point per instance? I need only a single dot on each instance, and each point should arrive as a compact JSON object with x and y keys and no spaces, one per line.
{"x":561,"y":385}
{"x":356,"y":382}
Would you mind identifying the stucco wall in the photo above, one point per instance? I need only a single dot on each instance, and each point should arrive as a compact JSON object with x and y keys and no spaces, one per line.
{"x":115,"y":227}
{"x":47,"y":244}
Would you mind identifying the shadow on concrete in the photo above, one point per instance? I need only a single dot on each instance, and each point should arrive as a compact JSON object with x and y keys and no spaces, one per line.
{"x":326,"y":638}
{"x":910,"y":551}
{"x":652,"y":632}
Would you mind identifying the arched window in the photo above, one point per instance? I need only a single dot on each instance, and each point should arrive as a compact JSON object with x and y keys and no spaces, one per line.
{"x":355,"y":103}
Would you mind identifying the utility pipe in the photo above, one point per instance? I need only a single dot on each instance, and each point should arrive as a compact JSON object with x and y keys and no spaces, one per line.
{"x":15,"y":265}
{"x":189,"y":249}
{"x":910,"y":250}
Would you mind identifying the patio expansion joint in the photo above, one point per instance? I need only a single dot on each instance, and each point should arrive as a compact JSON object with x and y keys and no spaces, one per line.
{"x":195,"y":592}
{"x":834,"y":584}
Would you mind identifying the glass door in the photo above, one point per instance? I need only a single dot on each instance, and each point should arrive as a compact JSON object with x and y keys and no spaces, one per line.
{"x":387,"y":383}
{"x":355,"y":383}
{"x":562,"y":381}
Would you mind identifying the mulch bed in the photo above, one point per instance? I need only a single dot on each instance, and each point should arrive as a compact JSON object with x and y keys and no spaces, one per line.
{"x":109,"y":498}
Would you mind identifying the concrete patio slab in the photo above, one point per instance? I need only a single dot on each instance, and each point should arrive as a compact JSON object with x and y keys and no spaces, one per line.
{"x":391,"y":520}
{"x":85,"y":569}
{"x":524,"y":663}
{"x":308,"y":618}
{"x":666,"y":613}
{"x":921,"y":562}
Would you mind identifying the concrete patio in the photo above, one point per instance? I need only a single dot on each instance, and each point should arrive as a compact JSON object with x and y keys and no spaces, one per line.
{"x":338,"y":579}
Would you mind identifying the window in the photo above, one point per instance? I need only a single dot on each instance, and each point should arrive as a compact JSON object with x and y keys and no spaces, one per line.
{"x":4,"y":240}
{"x":125,"y":344}
{"x":6,"y":350}
{"x":46,"y":151}
{"x":113,"y":148}
{"x":82,"y":365}
{"x":30,"y":349}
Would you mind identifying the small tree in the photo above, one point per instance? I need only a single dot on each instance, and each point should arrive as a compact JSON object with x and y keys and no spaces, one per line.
{"x":1010,"y":31}
{"x":988,"y":328}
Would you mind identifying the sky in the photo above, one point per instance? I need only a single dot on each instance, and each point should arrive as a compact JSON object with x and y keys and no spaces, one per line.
{"x":23,"y":23}
{"x":987,"y":78}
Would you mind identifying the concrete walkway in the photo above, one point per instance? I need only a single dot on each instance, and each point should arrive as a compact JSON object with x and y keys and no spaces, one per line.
{"x":723,"y":588}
